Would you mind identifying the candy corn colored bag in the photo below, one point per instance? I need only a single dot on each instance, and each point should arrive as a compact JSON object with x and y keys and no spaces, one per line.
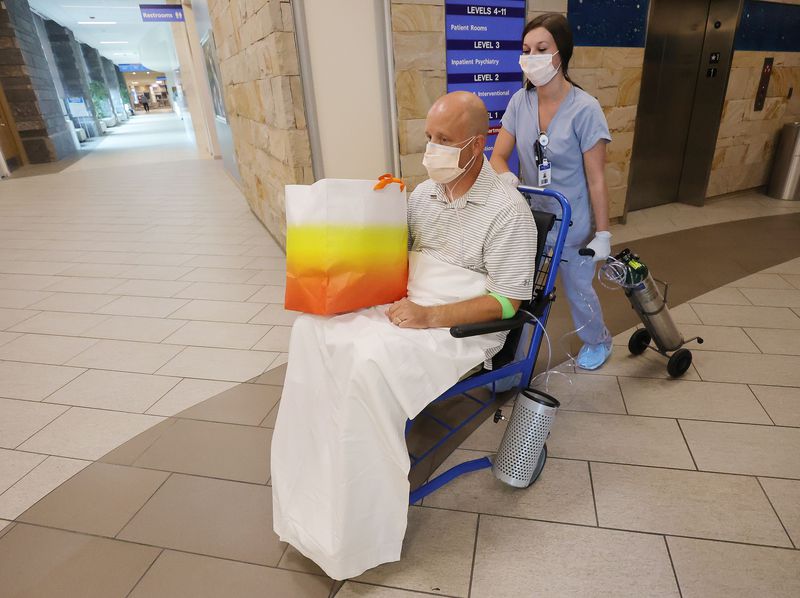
{"x":346,"y":245}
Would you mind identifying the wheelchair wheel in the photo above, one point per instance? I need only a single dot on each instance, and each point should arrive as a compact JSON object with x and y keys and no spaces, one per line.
{"x":639,"y":341}
{"x":679,"y":362}
{"x":539,"y":466}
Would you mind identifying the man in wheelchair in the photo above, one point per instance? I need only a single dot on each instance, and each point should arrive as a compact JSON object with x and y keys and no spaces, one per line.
{"x":339,"y":460}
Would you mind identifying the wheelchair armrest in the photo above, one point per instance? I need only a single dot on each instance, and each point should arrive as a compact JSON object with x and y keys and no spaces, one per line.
{"x":486,"y":327}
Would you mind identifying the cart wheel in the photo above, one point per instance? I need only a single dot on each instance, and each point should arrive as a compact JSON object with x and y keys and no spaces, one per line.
{"x":679,"y":362}
{"x":539,"y":466}
{"x":639,"y":341}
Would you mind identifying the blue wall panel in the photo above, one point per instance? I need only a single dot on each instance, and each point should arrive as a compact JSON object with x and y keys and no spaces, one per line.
{"x":769,"y":27}
{"x":615,"y":23}
{"x":765,"y":26}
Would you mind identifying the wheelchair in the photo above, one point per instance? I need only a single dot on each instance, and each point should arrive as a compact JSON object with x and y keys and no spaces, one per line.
{"x":457,"y":412}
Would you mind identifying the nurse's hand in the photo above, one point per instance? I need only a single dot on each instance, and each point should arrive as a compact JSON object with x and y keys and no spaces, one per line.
{"x":600,"y":245}
{"x":407,"y":314}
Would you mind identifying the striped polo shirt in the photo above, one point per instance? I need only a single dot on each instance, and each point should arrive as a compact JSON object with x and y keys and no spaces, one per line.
{"x":489,"y":229}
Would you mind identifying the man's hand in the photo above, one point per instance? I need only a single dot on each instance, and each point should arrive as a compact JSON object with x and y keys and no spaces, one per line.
{"x":407,"y":314}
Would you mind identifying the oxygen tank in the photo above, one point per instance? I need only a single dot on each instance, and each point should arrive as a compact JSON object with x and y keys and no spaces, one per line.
{"x":646,"y":298}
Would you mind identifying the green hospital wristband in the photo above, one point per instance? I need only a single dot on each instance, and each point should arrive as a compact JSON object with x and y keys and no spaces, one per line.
{"x":508,"y":309}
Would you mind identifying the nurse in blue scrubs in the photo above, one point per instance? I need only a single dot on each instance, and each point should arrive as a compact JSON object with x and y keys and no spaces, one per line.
{"x":561,"y":133}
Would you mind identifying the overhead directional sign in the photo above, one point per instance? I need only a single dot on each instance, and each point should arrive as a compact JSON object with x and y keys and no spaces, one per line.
{"x":130,"y":67}
{"x":161,"y":13}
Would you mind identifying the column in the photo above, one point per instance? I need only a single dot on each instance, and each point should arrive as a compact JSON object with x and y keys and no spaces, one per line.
{"x":71,"y":67}
{"x":29,"y":87}
{"x":101,"y":95}
{"x":110,"y":77}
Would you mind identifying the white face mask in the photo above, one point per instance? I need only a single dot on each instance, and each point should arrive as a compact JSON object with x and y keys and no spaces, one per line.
{"x":441,"y":161}
{"x":538,"y":68}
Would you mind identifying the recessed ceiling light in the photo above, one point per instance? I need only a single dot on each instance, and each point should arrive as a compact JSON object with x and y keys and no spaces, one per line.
{"x":97,"y":22}
{"x":113,"y":42}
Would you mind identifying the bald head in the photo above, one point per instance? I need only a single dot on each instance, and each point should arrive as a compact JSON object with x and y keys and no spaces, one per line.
{"x":459,"y":120}
{"x":462,"y":113}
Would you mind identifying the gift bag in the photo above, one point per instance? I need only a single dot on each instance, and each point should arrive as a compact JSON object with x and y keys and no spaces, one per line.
{"x":346,"y":245}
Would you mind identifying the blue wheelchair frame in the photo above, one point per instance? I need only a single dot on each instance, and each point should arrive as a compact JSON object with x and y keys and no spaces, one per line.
{"x":543,"y":297}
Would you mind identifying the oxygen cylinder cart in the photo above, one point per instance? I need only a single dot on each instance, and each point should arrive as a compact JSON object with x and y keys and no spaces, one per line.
{"x":650,"y":304}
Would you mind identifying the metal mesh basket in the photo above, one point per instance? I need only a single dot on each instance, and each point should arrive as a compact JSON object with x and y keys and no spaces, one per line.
{"x":518,"y":457}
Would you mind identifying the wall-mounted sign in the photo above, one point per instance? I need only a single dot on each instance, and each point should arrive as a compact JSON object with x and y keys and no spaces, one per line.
{"x":77,"y":107}
{"x":161,"y":13}
{"x":483,"y":49}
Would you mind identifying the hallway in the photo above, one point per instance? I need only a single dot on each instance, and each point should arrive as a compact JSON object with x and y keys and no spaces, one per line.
{"x":146,"y":138}
{"x":142,"y":345}
{"x":132,"y":284}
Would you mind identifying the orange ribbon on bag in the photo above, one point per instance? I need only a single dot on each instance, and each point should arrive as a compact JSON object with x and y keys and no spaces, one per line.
{"x":388,"y":179}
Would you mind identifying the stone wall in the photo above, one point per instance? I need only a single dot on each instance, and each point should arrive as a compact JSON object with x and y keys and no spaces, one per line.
{"x":747,"y":139}
{"x":264,"y":102}
{"x":29,"y":88}
{"x":419,"y":60}
{"x":613,"y":75}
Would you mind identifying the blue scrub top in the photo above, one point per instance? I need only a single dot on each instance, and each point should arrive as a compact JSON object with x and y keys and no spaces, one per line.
{"x":576,"y":128}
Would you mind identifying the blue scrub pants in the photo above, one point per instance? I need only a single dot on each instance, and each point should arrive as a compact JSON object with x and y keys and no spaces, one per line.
{"x":577,"y":276}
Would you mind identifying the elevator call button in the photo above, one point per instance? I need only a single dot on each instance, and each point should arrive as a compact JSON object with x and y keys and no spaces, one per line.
{"x":714,"y":58}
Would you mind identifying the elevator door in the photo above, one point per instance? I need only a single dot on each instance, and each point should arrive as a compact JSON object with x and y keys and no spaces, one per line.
{"x":686,"y":65}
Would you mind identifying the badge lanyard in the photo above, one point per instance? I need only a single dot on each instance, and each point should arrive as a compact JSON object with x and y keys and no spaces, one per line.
{"x":543,"y":171}
{"x":542,"y":163}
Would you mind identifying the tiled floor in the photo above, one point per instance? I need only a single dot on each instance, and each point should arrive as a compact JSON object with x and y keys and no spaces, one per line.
{"x":674,"y":217}
{"x":135,"y":417}
{"x":95,"y":262}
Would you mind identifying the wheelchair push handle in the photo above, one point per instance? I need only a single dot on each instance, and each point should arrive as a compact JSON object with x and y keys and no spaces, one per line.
{"x":586,"y":251}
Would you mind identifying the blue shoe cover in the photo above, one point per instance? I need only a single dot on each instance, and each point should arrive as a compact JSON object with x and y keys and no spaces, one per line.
{"x":591,"y":357}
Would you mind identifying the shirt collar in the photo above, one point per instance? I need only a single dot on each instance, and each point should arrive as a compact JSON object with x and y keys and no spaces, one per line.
{"x":477,"y":194}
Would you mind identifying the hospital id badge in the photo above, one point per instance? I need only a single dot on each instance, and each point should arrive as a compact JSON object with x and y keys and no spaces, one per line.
{"x":544,"y":173}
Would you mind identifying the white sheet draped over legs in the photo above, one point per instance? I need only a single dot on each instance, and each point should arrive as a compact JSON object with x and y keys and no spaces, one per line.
{"x":339,"y":458}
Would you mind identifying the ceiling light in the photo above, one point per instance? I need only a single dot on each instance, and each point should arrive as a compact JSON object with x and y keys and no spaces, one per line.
{"x":97,"y":22}
{"x":113,"y":42}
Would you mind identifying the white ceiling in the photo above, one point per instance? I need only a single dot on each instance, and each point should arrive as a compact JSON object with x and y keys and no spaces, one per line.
{"x":148,"y":43}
